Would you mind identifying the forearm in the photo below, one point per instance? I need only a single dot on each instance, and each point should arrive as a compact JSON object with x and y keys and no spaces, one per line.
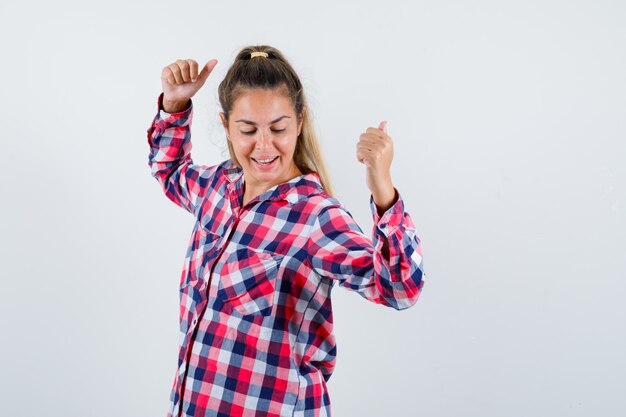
{"x":384,"y":198}
{"x":170,"y":155}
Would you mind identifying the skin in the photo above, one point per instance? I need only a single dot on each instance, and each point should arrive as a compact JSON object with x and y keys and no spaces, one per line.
{"x":375,"y":150}
{"x":263,"y":125}
{"x":181,"y":81}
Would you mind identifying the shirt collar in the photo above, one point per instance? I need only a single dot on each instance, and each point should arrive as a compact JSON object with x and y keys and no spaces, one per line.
{"x":291,"y":191}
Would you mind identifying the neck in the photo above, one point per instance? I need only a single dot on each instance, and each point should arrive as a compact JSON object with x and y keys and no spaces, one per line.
{"x":251,"y":192}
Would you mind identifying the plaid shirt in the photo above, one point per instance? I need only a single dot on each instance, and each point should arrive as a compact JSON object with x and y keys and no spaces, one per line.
{"x":256,"y":322}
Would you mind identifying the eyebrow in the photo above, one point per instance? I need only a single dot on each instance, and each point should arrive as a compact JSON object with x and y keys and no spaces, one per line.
{"x":253,"y":123}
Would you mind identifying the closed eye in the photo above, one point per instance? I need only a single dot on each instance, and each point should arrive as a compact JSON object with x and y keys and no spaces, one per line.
{"x":252,"y":132}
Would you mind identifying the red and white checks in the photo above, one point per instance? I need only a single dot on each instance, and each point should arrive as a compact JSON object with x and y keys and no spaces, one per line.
{"x":256,"y":323}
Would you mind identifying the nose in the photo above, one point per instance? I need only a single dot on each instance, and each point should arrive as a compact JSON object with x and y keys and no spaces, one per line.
{"x":263,"y":139}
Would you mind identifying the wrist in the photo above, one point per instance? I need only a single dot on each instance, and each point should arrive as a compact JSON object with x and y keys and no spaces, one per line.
{"x":384,"y":199}
{"x":174,"y":106}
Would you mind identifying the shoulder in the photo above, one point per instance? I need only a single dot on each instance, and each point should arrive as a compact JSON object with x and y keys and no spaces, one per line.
{"x":227,"y":170}
{"x":308,"y":191}
{"x":213,"y":176}
{"x":322,"y":201}
{"x":325,"y":210}
{"x":226,"y":165}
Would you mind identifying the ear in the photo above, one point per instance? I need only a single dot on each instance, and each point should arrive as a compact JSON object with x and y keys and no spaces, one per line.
{"x":225,"y":124}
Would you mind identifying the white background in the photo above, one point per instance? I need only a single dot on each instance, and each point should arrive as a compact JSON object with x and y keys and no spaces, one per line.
{"x":508,"y":121}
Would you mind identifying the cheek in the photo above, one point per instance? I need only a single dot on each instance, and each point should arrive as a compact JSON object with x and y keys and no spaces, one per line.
{"x":243,"y":147}
{"x":286,"y":144}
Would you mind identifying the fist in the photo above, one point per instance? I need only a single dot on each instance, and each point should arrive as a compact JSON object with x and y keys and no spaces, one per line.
{"x":375,"y":149}
{"x":181,"y":80}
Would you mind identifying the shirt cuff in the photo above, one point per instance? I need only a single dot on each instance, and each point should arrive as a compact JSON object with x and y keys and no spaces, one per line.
{"x":392,"y":218}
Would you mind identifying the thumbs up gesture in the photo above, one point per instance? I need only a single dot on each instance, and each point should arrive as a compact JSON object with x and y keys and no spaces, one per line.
{"x":375,"y":150}
{"x":181,"y":81}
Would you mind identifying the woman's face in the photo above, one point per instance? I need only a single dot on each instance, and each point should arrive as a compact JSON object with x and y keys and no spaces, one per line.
{"x":263,"y":130}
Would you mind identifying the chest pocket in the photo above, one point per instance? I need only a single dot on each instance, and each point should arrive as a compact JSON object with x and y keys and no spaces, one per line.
{"x":248,"y":281}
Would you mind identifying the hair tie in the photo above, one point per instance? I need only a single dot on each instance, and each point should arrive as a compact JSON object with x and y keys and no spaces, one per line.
{"x":255,"y":54}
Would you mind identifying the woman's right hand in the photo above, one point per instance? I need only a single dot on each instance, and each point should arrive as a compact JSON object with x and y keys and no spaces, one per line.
{"x":181,"y":81}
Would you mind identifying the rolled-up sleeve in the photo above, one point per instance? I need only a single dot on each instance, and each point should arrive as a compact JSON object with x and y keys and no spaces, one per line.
{"x":338,"y":249}
{"x":169,"y":138}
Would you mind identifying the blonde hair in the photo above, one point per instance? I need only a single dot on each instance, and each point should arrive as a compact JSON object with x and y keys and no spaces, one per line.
{"x":275,"y":73}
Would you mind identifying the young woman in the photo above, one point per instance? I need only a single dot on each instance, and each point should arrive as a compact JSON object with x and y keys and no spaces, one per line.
{"x":270,"y":242}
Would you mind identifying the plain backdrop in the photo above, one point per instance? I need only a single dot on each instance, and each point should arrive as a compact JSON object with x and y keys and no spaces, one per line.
{"x":508,"y":121}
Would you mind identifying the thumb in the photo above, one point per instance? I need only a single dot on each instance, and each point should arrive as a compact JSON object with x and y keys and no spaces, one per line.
{"x":383,"y":126}
{"x":206,"y":70}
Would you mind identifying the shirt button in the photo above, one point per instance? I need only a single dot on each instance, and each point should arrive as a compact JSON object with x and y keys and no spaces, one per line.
{"x":195,"y":321}
{"x":292,"y":198}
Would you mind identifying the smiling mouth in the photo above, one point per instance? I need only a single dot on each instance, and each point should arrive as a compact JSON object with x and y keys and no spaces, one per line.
{"x":265,"y":161}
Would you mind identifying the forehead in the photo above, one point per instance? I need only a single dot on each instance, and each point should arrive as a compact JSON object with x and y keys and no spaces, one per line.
{"x":262,"y":106}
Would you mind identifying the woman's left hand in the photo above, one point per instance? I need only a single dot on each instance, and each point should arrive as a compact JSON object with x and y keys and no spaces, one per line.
{"x":375,"y":150}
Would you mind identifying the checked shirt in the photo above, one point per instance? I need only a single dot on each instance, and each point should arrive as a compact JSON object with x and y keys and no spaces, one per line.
{"x":256,"y":321}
